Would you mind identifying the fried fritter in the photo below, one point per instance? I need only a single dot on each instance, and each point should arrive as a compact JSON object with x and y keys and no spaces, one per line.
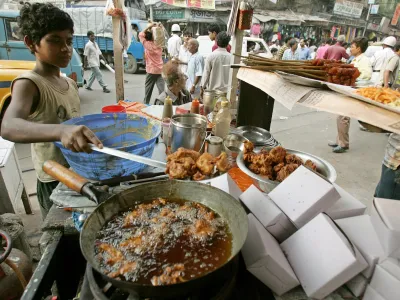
{"x":181,"y":168}
{"x":198,"y":176}
{"x":206,"y":163}
{"x":293,"y":159}
{"x":182,"y":152}
{"x":311,"y":165}
{"x":222,"y":162}
{"x":286,"y":171}
{"x":171,"y":275}
{"x":278,"y":154}
{"x":278,"y":167}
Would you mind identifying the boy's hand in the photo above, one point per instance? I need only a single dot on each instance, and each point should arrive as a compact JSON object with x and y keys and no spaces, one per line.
{"x":77,"y":138}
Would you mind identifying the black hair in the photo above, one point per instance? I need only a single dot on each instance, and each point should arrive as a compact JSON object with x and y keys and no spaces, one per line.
{"x":287,"y":39}
{"x":274,"y":50}
{"x":397,"y":47}
{"x":38,"y":19}
{"x":187,"y":33}
{"x":148,"y":35}
{"x":214,"y":27}
{"x":223,"y":39}
{"x":361,"y":42}
{"x":329,"y":41}
{"x":292,"y":43}
{"x":89,"y":33}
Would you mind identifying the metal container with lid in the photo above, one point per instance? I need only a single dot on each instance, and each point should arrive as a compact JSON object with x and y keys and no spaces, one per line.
{"x":214,"y":145}
{"x":187,"y":131}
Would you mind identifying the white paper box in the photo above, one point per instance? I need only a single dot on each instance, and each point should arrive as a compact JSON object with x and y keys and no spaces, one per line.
{"x":266,"y":211}
{"x":386,"y":279}
{"x":347,"y":206}
{"x":322,"y":258}
{"x":226,"y":183}
{"x":371,"y":294}
{"x":357,"y":285}
{"x":385,"y":216}
{"x":265,"y":259}
{"x":303,"y":195}
{"x":362,"y":234}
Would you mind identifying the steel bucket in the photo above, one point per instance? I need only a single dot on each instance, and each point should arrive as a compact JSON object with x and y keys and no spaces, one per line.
{"x":187,"y":131}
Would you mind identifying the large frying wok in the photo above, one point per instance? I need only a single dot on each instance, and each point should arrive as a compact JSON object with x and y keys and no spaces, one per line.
{"x":224,"y":204}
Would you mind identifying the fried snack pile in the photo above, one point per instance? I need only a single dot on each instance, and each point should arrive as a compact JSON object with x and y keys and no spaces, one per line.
{"x":186,"y":163}
{"x":276,"y":164}
{"x":382,"y":95}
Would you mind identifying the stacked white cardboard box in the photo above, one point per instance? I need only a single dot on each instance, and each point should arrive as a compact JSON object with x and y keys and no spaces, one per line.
{"x":312,"y":233}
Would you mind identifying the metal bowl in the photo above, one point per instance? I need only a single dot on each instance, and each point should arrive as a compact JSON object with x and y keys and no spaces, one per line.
{"x":266,"y":185}
{"x":258,"y":136}
{"x":233,"y":144}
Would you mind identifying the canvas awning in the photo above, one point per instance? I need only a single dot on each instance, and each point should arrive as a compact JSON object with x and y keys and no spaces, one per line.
{"x":288,"y":17}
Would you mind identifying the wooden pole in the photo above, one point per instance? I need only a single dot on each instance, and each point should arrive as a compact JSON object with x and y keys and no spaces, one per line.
{"x":237,"y":42}
{"x":118,"y":60}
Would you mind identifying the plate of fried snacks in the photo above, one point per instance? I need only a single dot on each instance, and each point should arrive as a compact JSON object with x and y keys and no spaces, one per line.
{"x":383,"y":97}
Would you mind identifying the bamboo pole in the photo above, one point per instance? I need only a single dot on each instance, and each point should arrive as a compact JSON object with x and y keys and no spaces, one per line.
{"x":118,"y":61}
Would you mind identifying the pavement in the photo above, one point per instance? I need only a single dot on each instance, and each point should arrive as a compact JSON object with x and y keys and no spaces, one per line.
{"x":302,"y":128}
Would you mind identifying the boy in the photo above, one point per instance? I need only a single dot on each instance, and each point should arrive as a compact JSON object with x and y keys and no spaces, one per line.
{"x":42,"y":98}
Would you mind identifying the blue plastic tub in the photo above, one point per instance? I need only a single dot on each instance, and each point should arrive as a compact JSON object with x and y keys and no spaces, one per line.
{"x":125,"y":132}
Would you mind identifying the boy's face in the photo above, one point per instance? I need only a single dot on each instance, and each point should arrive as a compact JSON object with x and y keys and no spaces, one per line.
{"x":55,"y":48}
{"x":355,"y":50}
{"x":212,"y":35}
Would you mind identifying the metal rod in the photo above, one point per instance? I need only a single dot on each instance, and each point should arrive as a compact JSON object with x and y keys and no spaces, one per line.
{"x":130,"y":156}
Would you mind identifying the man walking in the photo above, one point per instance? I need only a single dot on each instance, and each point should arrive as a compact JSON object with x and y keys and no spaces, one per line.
{"x":195,"y":69}
{"x":174,"y":42}
{"x":337,"y":51}
{"x":291,"y":53}
{"x":389,"y":69}
{"x":323,"y":48}
{"x":213,"y":31}
{"x":284,"y":47}
{"x":154,"y":63}
{"x":216,"y":76}
{"x":92,"y":56}
{"x":380,"y":58}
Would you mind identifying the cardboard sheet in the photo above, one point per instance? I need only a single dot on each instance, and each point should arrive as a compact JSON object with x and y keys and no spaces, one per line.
{"x":289,"y":94}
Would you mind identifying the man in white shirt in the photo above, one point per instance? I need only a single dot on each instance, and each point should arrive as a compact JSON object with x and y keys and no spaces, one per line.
{"x":380,"y":59}
{"x":174,"y":42}
{"x":363,"y":64}
{"x":216,"y":76}
{"x":195,"y":69}
{"x":92,"y":56}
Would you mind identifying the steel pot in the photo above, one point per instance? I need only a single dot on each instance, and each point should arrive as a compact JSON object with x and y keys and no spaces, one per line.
{"x":187,"y":131}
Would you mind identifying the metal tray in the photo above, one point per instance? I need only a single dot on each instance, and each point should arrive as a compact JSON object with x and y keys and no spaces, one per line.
{"x":301,"y":80}
{"x":258,"y":136}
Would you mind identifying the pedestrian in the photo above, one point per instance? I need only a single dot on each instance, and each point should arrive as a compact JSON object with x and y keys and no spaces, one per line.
{"x":277,"y":45}
{"x":274,"y":53}
{"x":135,"y":32}
{"x":284,"y":47}
{"x":216,"y":74}
{"x":390,"y":68}
{"x":42,"y":98}
{"x":380,"y":58}
{"x":175,"y":85}
{"x":337,"y":51}
{"x":174,"y":42}
{"x":154,"y":62}
{"x":304,"y":51}
{"x":92,"y":55}
{"x":389,"y":183}
{"x":184,"y":53}
{"x":323,"y":48}
{"x":313,"y":53}
{"x":195,"y":69}
{"x":363,"y":64}
{"x":213,"y":31}
{"x":291,"y":53}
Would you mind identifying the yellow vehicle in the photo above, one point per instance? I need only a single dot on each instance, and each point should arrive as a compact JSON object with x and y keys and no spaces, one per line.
{"x":9,"y":70}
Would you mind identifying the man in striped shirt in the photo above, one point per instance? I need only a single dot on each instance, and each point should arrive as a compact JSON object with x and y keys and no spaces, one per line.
{"x":284,"y":47}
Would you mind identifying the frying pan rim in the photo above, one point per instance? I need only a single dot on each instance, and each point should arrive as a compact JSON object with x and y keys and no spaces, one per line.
{"x":177,"y":285}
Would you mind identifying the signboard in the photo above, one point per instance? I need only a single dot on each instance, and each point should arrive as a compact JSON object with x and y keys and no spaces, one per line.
{"x":371,"y":1}
{"x":205,"y":4}
{"x":167,"y":14}
{"x":396,"y":15}
{"x":374,"y":9}
{"x":180,"y":3}
{"x":348,"y":8}
{"x":202,"y":15}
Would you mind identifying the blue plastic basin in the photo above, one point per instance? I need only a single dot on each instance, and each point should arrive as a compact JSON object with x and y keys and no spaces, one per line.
{"x":125,"y":132}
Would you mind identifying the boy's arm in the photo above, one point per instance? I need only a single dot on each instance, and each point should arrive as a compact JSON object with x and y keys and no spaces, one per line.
{"x":16,"y":128}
